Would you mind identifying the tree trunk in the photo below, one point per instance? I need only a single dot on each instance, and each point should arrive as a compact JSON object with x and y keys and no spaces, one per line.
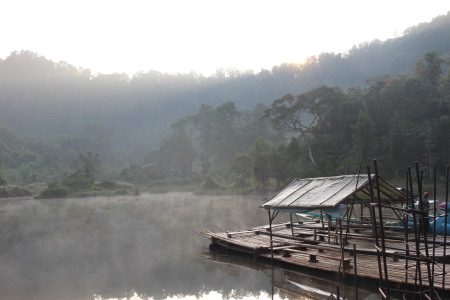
{"x":311,"y":157}
{"x":310,"y":153}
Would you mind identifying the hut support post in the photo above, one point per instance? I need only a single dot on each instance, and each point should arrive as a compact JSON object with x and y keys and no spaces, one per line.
{"x":271,"y":218}
{"x":271,"y":241}
{"x":383,"y":244}
{"x":361,"y":213}
{"x":375,"y":232}
{"x":292,"y":224}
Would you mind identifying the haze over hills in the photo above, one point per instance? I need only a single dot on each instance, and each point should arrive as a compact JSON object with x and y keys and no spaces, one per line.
{"x":43,"y":97}
{"x":40,"y":97}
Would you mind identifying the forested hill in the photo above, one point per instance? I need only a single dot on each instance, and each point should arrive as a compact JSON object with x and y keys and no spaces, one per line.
{"x":42,"y":97}
{"x":39,"y":97}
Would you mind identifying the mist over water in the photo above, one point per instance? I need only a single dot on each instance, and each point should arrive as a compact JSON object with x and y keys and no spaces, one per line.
{"x":100,"y":248}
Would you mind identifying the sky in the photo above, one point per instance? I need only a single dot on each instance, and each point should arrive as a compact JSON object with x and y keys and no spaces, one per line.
{"x":201,"y":36}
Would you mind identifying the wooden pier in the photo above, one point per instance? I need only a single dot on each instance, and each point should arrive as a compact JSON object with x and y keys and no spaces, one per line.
{"x":391,"y":243}
{"x":311,"y":245}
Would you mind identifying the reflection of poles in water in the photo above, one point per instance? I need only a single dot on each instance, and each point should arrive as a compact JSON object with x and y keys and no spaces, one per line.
{"x":271,"y":218}
{"x":338,"y":296}
{"x":271,"y":251}
{"x":355,"y":271}
{"x":273,"y":281}
{"x":271,"y":240}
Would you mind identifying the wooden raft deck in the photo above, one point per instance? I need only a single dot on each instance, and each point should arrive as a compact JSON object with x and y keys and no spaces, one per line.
{"x":312,"y":246}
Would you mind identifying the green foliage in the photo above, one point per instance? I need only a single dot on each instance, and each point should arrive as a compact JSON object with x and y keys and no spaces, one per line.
{"x":108,"y":184}
{"x":364,"y":147}
{"x":261,"y":163}
{"x":429,"y":68}
{"x":439,"y":140}
{"x":278,"y":163}
{"x":177,"y":154}
{"x":210,"y":184}
{"x":331,"y":132}
{"x":54,"y":190}
{"x":77,"y":181}
{"x":75,"y":185}
{"x":8,"y":191}
{"x":242,"y":165}
{"x":87,"y":165}
{"x":154,"y":100}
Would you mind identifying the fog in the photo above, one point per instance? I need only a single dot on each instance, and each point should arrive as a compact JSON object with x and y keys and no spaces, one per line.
{"x":116,"y":247}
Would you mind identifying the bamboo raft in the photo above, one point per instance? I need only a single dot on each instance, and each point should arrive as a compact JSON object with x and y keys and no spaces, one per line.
{"x":311,"y":245}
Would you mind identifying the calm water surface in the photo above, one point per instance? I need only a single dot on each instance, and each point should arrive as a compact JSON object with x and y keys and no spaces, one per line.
{"x":142,"y":247}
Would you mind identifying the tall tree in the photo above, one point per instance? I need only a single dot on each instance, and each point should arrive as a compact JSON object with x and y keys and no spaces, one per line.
{"x":289,"y":115}
{"x":202,"y":122}
{"x":308,"y":114}
{"x":364,"y":147}
{"x":89,"y":165}
{"x":261,"y":158}
{"x":429,"y":68}
{"x":440,"y":137}
{"x":279,"y":164}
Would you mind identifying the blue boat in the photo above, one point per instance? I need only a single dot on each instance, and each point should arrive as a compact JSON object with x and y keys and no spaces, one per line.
{"x":440,"y":220}
{"x":441,"y":224}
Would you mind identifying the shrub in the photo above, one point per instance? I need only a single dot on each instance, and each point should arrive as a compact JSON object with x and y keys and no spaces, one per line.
{"x":77,"y":181}
{"x":13,"y":191}
{"x":210,"y":184}
{"x":108,"y":184}
{"x":54,"y":190}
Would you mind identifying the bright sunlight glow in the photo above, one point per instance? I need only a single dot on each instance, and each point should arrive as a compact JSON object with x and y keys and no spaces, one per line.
{"x":200,"y":35}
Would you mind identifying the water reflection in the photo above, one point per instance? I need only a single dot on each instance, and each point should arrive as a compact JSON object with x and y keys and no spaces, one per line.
{"x":212,"y":295}
{"x":125,"y":247}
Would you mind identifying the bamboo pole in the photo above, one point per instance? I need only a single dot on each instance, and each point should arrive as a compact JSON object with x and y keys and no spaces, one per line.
{"x":445,"y":231}
{"x":406,"y":226}
{"x":434,"y":221}
{"x":418,"y":273}
{"x":383,"y":245}
{"x":374,"y":225}
{"x":425,"y":226}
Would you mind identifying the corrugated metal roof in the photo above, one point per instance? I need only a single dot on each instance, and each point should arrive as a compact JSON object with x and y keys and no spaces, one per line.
{"x":326,"y":192}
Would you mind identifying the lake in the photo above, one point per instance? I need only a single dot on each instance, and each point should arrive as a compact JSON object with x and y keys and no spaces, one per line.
{"x":142,"y":247}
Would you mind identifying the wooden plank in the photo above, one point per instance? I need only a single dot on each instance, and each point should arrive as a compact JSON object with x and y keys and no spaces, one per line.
{"x":304,"y":252}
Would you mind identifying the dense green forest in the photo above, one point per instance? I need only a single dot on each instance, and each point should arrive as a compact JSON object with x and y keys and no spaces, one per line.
{"x":235,"y":130}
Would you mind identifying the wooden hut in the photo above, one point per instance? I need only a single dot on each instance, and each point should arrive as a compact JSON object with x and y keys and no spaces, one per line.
{"x":336,"y":197}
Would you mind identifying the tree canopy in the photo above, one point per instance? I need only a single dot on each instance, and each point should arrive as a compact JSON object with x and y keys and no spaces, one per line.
{"x":387,"y":100}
